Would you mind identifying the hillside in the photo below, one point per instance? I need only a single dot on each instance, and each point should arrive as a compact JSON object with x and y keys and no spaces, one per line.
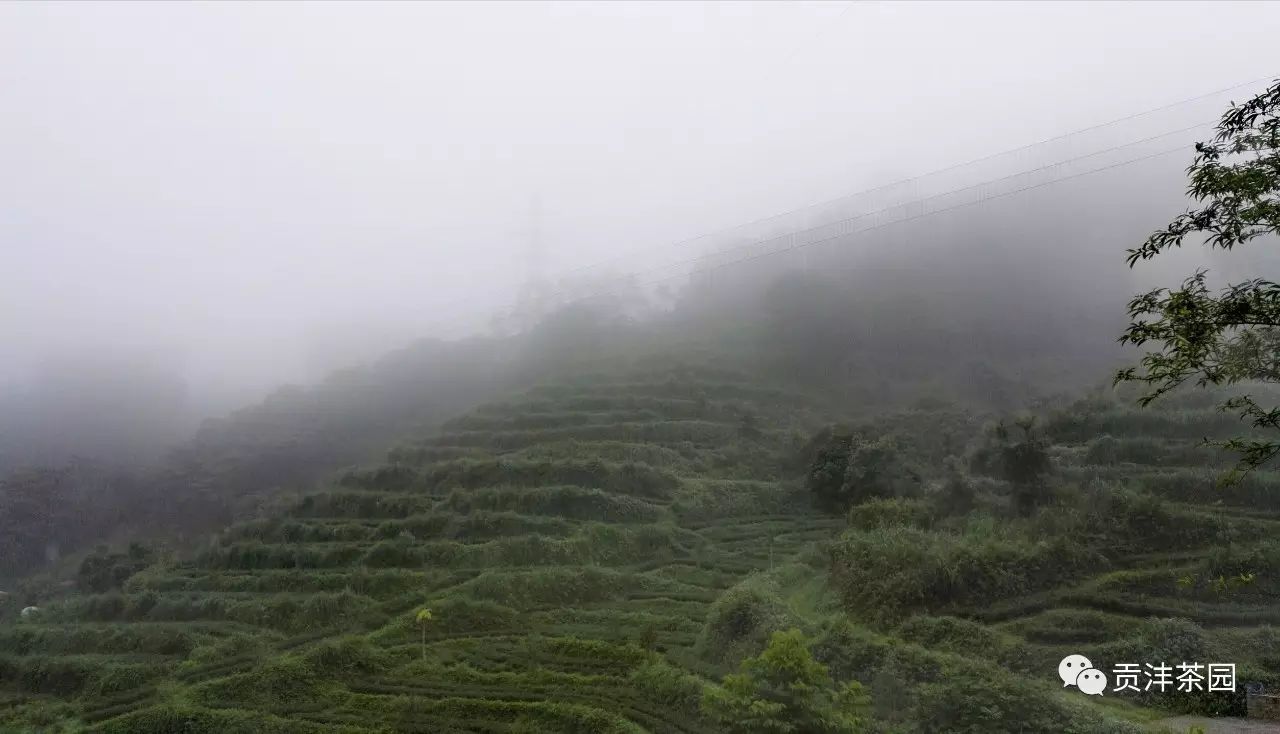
{"x":233,"y":465}
{"x":1131,"y":553}
{"x":554,"y":537}
{"x":640,"y":368}
{"x":595,"y":551}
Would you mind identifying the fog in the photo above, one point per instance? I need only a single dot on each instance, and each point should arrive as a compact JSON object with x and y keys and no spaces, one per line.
{"x":248,"y":195}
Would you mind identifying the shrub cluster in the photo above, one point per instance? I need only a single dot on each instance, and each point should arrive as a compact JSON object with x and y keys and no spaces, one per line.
{"x":892,"y":571}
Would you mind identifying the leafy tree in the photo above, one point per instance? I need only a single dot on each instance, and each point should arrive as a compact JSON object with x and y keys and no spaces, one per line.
{"x":102,"y":571}
{"x":878,"y":468}
{"x":785,"y":691}
{"x":1023,"y":461}
{"x":1229,"y":337}
{"x":827,"y":468}
{"x":957,"y":495}
{"x":846,"y":469}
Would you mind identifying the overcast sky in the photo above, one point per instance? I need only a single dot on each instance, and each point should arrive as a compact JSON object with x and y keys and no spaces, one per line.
{"x":237,"y":183}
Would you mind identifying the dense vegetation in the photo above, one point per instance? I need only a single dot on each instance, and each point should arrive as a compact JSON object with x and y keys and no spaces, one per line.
{"x":235,"y":465}
{"x":1232,"y":337}
{"x":603,"y":554}
{"x":641,"y":528}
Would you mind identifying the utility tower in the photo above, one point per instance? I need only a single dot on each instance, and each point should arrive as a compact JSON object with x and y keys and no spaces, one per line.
{"x":533,"y":293}
{"x":535,"y":249}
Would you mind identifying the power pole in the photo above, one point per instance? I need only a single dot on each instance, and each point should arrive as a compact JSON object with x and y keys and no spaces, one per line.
{"x":535,"y":261}
{"x":529,"y":306}
{"x":535,"y":255}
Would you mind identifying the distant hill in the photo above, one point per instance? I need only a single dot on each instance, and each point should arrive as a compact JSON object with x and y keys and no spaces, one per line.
{"x":232,"y":465}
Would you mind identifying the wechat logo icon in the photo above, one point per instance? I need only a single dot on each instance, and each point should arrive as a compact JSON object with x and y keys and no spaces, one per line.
{"x":1076,"y":670}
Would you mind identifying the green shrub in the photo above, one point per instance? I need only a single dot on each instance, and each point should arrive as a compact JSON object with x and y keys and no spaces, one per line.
{"x":926,"y":691}
{"x":549,"y":585}
{"x":1173,"y":641}
{"x":174,"y":719}
{"x":59,"y":676}
{"x":99,"y":639}
{"x":528,"y":716}
{"x":42,"y":716}
{"x":116,"y":678}
{"x":390,"y":477}
{"x":274,"y":682}
{"x":1022,"y":460}
{"x":577,"y":503}
{"x":281,"y":611}
{"x":1160,"y":420}
{"x":362,"y":505}
{"x":878,"y":468}
{"x":662,"y":433}
{"x":851,"y":652}
{"x":1239,"y":572}
{"x":663,"y":683}
{"x":67,"y":676}
{"x":486,"y":525}
{"x":254,"y":555}
{"x":1107,"y":450}
{"x":1121,"y":521}
{"x":705,"y":499}
{"x":847,"y":469}
{"x":398,"y":553}
{"x":742,"y":619}
{"x":895,"y":512}
{"x":785,"y":689}
{"x":1074,"y":626}
{"x":346,"y":656}
{"x":233,"y":646}
{"x":828,"y":462}
{"x":630,"y":478}
{"x":101,"y":571}
{"x":974,"y":702}
{"x":964,"y":637}
{"x":887,"y":572}
{"x":1256,"y":489}
{"x":662,"y":457}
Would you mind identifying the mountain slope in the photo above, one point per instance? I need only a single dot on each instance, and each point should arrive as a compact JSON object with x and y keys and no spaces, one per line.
{"x":293,"y":438}
{"x":596,"y":551}
{"x":568,"y":542}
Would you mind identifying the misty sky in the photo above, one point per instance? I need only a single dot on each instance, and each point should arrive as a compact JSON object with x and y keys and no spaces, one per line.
{"x":241,"y":187}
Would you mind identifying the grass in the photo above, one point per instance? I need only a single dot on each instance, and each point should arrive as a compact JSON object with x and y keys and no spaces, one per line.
{"x":564,"y":541}
{"x":596,"y":551}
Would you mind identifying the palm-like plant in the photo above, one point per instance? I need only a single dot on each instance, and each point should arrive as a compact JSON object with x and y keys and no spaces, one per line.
{"x":423,"y":619}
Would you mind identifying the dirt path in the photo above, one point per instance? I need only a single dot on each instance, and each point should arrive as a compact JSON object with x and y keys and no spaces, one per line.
{"x":1182,"y":724}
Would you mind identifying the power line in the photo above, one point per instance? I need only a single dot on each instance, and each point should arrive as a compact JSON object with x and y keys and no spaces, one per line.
{"x":817,"y":35}
{"x":945,"y":169}
{"x":911,"y":179}
{"x":962,"y":205}
{"x":951,"y":192}
{"x":841,"y":223}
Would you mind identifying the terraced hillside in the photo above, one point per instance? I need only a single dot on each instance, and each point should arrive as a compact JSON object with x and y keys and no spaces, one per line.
{"x":594,"y":553}
{"x":569,"y":544}
{"x":1130,"y":552}
{"x":1193,"y":549}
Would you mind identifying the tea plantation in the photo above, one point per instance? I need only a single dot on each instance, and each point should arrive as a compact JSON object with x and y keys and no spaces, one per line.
{"x":592,"y":555}
{"x":569,"y":544}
